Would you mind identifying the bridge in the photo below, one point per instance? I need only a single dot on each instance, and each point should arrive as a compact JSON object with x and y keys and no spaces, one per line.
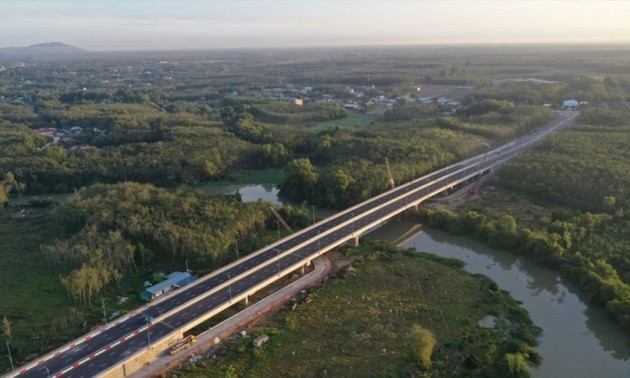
{"x":145,"y":331}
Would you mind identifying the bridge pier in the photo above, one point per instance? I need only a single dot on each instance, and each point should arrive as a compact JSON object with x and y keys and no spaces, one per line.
{"x":354,"y":242}
{"x":245,"y":301}
{"x":303,"y":268}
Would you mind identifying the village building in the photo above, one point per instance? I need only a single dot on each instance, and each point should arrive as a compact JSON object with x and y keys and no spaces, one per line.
{"x":173,"y":281}
{"x":570,"y":104}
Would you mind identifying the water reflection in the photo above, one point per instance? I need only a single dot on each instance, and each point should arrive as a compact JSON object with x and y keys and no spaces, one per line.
{"x":578,"y":340}
{"x":249,"y":192}
{"x":265,"y":192}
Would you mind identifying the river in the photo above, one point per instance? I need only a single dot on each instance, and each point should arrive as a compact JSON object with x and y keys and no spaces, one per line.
{"x":578,"y":340}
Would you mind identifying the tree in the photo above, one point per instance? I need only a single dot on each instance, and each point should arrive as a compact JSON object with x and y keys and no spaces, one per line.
{"x":6,"y":327}
{"x":11,"y":186}
{"x":300,"y":178}
{"x":609,"y":202}
{"x":422,"y":345}
{"x":3,"y":194}
{"x":274,"y":154}
{"x":337,"y":182}
{"x":504,"y":235}
{"x":517,"y":364}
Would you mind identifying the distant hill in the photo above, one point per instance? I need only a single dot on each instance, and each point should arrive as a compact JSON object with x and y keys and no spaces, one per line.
{"x":41,"y":50}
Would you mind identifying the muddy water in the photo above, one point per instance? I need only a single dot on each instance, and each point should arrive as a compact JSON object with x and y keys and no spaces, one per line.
{"x":578,"y":340}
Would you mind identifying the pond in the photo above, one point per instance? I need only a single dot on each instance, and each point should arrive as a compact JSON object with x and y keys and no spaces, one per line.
{"x":248,"y":192}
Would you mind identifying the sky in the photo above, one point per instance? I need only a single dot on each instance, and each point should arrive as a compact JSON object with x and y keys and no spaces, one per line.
{"x":101,"y":25}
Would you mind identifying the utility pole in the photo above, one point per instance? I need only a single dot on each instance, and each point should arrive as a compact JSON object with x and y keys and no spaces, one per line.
{"x":352,"y":215}
{"x":146,"y":319}
{"x":187,"y":272}
{"x":230,"y":286}
{"x":236,"y":240}
{"x":319,"y":243}
{"x":313,"y":214}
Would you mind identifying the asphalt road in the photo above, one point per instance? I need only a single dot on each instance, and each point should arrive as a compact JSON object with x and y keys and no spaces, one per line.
{"x":119,"y":341}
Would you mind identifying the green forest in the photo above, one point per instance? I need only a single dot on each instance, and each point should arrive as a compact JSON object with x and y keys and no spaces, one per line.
{"x":127,"y":138}
{"x":583,"y":174}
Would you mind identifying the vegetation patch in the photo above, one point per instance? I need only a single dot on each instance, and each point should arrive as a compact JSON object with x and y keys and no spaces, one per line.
{"x":64,"y":267}
{"x":353,"y":120}
{"x":394,"y":313}
{"x":573,"y":219}
{"x":285,"y":112}
{"x":32,"y":298}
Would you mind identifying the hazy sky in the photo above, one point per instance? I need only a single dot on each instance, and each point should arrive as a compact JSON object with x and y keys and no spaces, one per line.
{"x":186,"y":24}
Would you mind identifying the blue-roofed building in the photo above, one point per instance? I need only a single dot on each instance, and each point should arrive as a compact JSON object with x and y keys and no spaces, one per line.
{"x":570,"y":104}
{"x":172,"y":282}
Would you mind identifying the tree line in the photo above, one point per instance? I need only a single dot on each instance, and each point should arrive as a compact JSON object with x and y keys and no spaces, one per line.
{"x":586,"y":247}
{"x":583,"y":170}
{"x":585,"y":167}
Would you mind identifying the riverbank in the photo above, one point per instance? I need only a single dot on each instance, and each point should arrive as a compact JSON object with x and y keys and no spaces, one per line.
{"x":578,"y":338}
{"x":364,"y":323}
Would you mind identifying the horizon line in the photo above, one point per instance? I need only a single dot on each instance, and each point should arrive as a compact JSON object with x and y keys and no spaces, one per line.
{"x":391,"y":45}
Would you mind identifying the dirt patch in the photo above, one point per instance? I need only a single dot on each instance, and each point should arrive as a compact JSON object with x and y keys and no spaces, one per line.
{"x":339,"y":260}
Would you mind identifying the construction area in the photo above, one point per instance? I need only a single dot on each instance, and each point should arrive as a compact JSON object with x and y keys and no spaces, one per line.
{"x":174,"y":351}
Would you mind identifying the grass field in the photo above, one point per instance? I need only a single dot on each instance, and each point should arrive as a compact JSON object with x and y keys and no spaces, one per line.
{"x":495,"y":204}
{"x":354,"y":119}
{"x":31,"y":296}
{"x":360,"y":326}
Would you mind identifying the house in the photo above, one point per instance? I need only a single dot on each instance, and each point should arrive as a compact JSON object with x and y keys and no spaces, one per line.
{"x":173,"y":281}
{"x":298,"y":101}
{"x":570,"y":104}
{"x":49,"y":131}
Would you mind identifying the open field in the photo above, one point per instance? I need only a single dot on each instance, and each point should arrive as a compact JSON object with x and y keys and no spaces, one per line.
{"x":361,"y":325}
{"x":31,"y":295}
{"x":246,"y":176}
{"x":354,"y":120}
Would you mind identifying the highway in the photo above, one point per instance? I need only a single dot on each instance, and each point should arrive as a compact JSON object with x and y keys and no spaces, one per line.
{"x":97,"y":351}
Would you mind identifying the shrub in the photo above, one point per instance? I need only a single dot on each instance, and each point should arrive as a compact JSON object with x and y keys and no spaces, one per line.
{"x":422,"y":345}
